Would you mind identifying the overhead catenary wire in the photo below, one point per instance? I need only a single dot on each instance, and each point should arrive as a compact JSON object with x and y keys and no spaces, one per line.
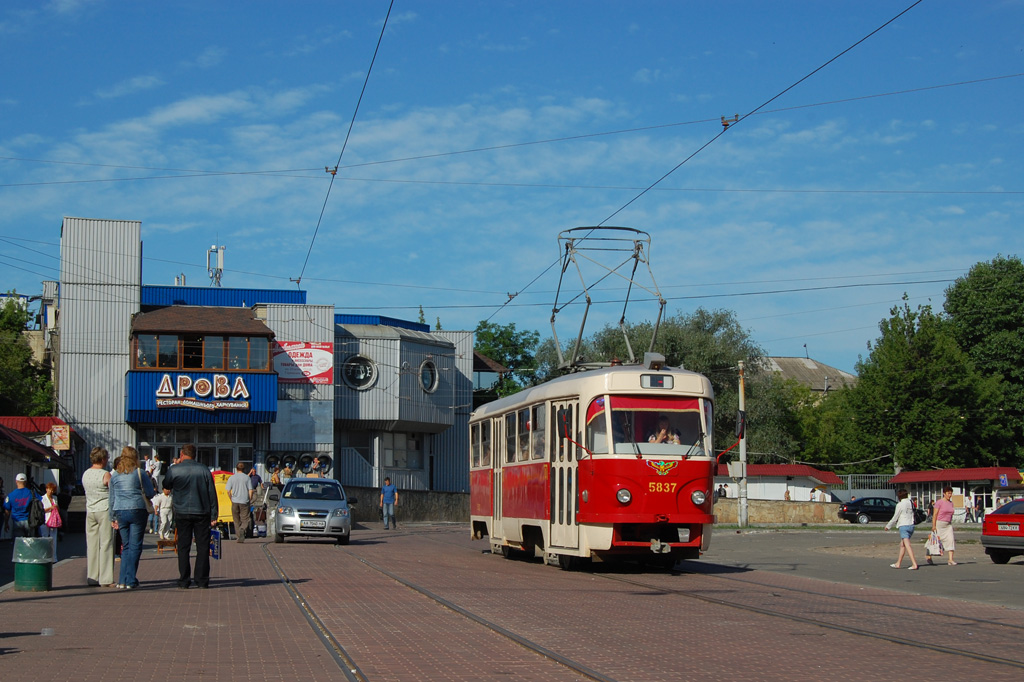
{"x":287,"y":172}
{"x":348,"y":134}
{"x":725,"y":128}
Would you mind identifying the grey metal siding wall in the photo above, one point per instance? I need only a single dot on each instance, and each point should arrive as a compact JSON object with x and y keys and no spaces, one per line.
{"x":380,"y":401}
{"x":100,"y":285}
{"x":300,"y":402}
{"x":417,"y":405}
{"x":450,"y":448}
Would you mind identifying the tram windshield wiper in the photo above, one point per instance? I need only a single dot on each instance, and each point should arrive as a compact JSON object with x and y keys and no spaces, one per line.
{"x":627,"y":429}
{"x":695,"y":446}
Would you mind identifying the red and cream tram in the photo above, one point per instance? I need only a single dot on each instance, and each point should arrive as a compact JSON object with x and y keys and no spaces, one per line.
{"x":604,"y":463}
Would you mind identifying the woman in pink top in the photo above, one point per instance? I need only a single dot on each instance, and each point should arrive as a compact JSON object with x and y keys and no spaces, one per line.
{"x":942,"y":524}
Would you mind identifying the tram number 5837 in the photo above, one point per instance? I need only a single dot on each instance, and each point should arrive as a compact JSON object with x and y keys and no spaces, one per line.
{"x":660,"y":487}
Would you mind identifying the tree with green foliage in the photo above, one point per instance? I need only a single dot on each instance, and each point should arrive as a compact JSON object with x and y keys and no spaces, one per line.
{"x":985,"y":310}
{"x":921,"y":399}
{"x":25,"y":388}
{"x":512,"y":348}
{"x":825,"y":424}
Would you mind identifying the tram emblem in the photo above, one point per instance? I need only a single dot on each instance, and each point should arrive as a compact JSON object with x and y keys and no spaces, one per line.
{"x":662,"y":467}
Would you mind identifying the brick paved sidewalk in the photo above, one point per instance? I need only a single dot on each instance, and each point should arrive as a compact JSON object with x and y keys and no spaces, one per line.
{"x":246,"y":627}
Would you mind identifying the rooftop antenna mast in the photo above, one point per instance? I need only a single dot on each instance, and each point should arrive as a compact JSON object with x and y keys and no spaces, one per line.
{"x":588,"y":248}
{"x":215,"y":270}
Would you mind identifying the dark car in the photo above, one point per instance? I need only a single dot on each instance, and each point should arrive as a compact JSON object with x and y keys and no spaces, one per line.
{"x":867,"y":509}
{"x":1002,"y":532}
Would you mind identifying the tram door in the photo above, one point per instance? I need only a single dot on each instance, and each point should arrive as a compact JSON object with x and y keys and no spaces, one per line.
{"x":497,"y":457}
{"x":562,"y":455}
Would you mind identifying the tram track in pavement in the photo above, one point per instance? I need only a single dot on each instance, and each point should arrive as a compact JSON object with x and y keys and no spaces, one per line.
{"x":349,"y":666}
{"x":817,"y":622}
{"x":345,"y":662}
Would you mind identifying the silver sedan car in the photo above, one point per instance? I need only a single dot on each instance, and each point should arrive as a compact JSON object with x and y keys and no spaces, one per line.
{"x":314,"y":507}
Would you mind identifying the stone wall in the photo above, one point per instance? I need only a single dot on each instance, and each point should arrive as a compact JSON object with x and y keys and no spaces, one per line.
{"x":439,"y":507}
{"x":777,"y":512}
{"x":413,"y":505}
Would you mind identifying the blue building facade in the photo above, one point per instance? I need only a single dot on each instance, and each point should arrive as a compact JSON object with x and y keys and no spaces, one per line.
{"x":252,"y":376}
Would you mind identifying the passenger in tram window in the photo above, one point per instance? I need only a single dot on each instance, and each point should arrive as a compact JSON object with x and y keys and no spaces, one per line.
{"x":664,"y":434}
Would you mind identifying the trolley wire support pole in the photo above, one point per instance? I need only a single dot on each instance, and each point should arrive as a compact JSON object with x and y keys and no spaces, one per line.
{"x":741,"y":515}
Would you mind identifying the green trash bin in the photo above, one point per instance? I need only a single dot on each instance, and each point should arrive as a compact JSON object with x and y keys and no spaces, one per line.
{"x":33,"y":564}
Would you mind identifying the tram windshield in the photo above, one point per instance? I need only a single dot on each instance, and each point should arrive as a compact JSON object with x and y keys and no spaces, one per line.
{"x":656,"y":426}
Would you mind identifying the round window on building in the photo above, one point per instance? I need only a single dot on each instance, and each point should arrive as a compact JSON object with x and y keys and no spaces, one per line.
{"x":359,"y":372}
{"x":428,"y":376}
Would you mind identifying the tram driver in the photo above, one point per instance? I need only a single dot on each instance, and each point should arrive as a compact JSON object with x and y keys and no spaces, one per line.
{"x":664,"y":434}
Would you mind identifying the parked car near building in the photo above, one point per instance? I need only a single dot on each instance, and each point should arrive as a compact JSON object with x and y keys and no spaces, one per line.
{"x":314,"y":507}
{"x":1002,"y":532}
{"x":867,"y":509}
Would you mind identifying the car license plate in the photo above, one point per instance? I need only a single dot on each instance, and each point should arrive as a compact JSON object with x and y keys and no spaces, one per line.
{"x":313,"y":524}
{"x":1009,"y":526}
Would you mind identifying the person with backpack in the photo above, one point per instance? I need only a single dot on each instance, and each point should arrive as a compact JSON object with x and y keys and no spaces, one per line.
{"x":17,"y":506}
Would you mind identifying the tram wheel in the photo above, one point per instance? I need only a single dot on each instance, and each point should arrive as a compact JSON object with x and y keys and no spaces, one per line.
{"x":568,"y":563}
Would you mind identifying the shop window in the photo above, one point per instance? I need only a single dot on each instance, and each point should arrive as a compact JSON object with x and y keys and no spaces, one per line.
{"x":146,"y":350}
{"x":192,"y":352}
{"x":259,"y":353}
{"x":213,"y":352}
{"x":207,"y":434}
{"x":167,"y":351}
{"x":244,"y":434}
{"x":238,"y":352}
{"x":428,"y":376}
{"x":402,"y":451}
{"x":184,"y":435}
{"x":359,"y":372}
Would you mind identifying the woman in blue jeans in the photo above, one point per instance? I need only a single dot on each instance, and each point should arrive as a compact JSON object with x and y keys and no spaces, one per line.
{"x":130,"y":487}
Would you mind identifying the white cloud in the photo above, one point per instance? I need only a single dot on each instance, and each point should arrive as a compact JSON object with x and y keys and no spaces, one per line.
{"x":129,"y":86}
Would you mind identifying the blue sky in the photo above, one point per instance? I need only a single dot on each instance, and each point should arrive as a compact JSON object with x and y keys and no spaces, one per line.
{"x":893,"y":169}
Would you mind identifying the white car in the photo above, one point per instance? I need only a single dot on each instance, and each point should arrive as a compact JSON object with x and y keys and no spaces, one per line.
{"x":313,"y":507}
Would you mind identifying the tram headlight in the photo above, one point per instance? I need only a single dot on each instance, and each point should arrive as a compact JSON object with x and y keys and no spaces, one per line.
{"x":624,"y":496}
{"x":698,"y":497}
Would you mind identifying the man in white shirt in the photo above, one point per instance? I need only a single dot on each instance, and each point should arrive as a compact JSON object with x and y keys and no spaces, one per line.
{"x":239,"y":487}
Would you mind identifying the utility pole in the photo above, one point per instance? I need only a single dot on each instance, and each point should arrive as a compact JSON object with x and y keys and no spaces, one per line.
{"x":742,"y":510}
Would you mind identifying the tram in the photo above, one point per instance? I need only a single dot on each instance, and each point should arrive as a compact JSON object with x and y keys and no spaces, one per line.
{"x":613,"y":462}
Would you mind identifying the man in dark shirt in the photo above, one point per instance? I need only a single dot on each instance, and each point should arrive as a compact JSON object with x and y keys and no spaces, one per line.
{"x":194,"y":501}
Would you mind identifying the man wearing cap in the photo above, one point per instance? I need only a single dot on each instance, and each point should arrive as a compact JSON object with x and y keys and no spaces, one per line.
{"x":16,"y":506}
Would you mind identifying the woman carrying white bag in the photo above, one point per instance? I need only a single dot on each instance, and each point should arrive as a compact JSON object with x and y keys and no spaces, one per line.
{"x":942,"y":525}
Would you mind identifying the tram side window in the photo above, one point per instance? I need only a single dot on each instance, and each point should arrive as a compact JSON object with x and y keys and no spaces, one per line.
{"x":556,"y":434}
{"x":538,"y":431}
{"x":474,"y":443}
{"x":485,"y":444}
{"x":524,"y":434}
{"x":510,"y":437}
